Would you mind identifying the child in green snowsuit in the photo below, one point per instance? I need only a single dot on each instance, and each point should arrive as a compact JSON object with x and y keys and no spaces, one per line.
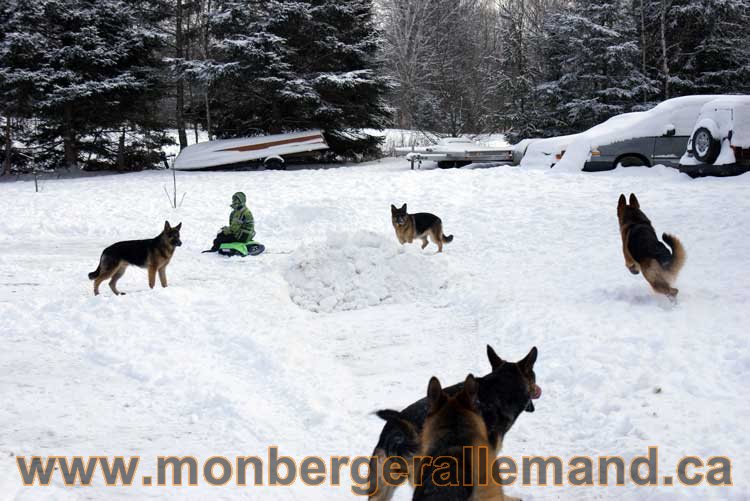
{"x":241,"y":225}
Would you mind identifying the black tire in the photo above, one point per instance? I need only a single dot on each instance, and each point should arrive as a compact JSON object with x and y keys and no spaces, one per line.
{"x":706,"y":147}
{"x":453,"y":164}
{"x":274,"y":164}
{"x":632,"y":161}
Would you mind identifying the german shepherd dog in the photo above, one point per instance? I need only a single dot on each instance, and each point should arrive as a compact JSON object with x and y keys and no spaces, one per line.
{"x":644,"y":252}
{"x":420,"y":225}
{"x":503,"y":395}
{"x":453,"y":426}
{"x":153,"y":254}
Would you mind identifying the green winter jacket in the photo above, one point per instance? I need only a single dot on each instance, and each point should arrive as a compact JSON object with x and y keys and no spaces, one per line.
{"x":241,"y":223}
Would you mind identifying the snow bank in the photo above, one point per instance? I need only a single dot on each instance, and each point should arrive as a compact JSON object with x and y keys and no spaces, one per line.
{"x":358,"y":270}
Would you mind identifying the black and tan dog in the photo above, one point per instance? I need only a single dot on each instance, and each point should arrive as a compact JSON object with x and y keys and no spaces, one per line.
{"x":153,"y":254}
{"x":454,"y":427}
{"x":503,"y":395}
{"x":644,"y":252}
{"x":418,"y":226}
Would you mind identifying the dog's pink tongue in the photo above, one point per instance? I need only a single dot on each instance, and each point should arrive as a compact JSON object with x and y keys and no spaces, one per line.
{"x":537,"y":392}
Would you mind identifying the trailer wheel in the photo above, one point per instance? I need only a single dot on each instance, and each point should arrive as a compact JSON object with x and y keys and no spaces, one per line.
{"x":706,"y":147}
{"x":274,"y":164}
{"x":446,"y":165}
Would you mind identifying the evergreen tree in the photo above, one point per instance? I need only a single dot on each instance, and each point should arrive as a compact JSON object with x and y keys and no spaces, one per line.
{"x":593,"y":69}
{"x":697,"y":47}
{"x":87,"y":70}
{"x":284,"y":65}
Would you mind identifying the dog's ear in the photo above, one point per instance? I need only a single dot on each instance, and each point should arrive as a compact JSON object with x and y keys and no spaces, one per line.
{"x":178,"y":226}
{"x":469,"y":396}
{"x":495,"y":361}
{"x":471,"y":387}
{"x":621,"y":204}
{"x":403,"y":207}
{"x":434,"y":392}
{"x":527,"y":363}
{"x":393,"y":209}
{"x":166,"y":226}
{"x":634,"y":201}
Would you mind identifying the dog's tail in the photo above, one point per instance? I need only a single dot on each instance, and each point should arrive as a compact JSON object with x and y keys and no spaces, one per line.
{"x":96,"y":272}
{"x":447,"y":238}
{"x":678,"y":253}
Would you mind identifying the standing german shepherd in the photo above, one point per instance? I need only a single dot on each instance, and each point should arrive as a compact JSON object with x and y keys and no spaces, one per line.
{"x":644,"y":252}
{"x":153,"y":253}
{"x":453,"y":427}
{"x":420,"y":225}
{"x":503,"y":395}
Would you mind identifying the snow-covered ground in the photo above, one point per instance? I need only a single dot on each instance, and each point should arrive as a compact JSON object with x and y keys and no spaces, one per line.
{"x":298,"y":346}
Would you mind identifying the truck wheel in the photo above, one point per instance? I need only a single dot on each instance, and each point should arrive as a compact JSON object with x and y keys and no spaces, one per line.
{"x":706,"y":147}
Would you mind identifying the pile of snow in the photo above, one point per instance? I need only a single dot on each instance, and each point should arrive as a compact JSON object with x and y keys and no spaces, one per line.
{"x":351,"y":271}
{"x":542,"y":153}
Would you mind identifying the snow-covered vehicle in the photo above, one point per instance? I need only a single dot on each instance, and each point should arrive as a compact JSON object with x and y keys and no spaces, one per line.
{"x":541,"y":152}
{"x":720,"y":141}
{"x":458,"y":151}
{"x":644,"y":138}
{"x":270,"y":151}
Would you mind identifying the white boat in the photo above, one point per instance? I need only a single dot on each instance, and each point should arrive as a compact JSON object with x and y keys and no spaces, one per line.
{"x":271,"y":151}
{"x":456,"y":151}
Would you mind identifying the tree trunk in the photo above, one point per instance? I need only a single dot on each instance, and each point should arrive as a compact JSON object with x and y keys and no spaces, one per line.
{"x":121,"y":152}
{"x":8,"y":147}
{"x":71,"y":157}
{"x":206,"y":40}
{"x":664,"y":61}
{"x":180,"y":83}
{"x":643,"y":47}
{"x":208,"y":116}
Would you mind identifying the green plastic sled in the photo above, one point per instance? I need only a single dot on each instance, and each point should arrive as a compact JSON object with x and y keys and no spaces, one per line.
{"x":243,"y":249}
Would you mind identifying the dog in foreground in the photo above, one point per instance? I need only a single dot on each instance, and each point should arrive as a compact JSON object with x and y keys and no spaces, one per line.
{"x":500,"y":397}
{"x":453,"y":426}
{"x":153,"y":254}
{"x":644,"y":252}
{"x":418,"y":226}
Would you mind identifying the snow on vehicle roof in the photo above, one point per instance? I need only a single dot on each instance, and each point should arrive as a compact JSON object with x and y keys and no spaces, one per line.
{"x":726,"y":102}
{"x":680,"y":113}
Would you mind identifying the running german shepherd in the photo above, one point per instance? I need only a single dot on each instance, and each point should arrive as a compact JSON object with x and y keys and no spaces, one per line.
{"x":453,"y":423}
{"x":420,"y":225}
{"x":644,"y":252}
{"x":153,"y":253}
{"x":503,"y":394}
